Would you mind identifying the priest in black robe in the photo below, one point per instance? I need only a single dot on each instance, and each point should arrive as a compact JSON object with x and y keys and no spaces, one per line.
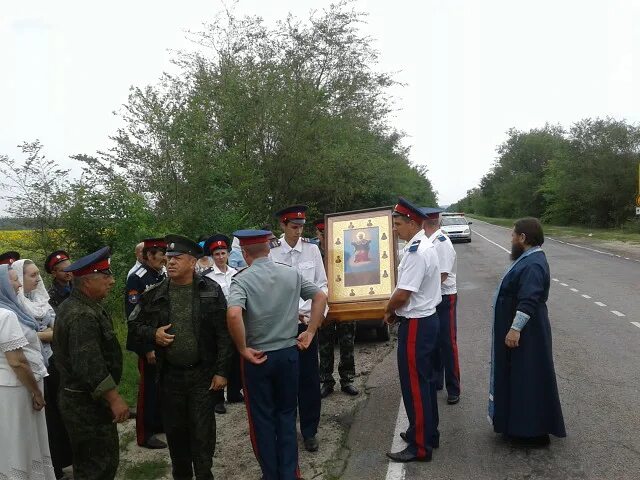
{"x":524,"y":404}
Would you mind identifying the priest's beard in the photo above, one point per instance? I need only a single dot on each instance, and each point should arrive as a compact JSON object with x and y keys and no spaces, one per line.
{"x":516,"y":251}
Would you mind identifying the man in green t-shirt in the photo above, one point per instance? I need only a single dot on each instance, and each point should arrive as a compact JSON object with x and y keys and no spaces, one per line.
{"x":184,"y":315}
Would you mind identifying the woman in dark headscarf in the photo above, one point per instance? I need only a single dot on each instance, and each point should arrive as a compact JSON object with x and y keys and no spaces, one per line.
{"x":23,"y":436}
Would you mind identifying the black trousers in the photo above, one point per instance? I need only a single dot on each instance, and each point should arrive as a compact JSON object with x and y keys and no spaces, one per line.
{"x":189,"y":421}
{"x":59,"y":443}
{"x":309,"y":400}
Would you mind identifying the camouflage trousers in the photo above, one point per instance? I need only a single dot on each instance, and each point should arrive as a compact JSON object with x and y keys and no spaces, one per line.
{"x":189,"y":421}
{"x":346,"y":334}
{"x":92,"y":433}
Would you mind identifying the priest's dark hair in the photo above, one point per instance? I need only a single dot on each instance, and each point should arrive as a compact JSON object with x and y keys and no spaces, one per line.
{"x":532,"y":229}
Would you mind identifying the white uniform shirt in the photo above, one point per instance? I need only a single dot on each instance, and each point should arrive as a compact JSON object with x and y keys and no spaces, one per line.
{"x":221,"y":278}
{"x":447,"y":259}
{"x":306,"y":258}
{"x":419,"y":273}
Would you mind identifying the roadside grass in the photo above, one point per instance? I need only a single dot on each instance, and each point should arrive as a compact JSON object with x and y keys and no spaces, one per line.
{"x":628,"y":234}
{"x":146,"y":470}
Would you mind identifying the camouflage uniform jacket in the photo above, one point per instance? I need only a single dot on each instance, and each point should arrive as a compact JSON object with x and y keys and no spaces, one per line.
{"x":209,"y":311}
{"x":88,"y":354}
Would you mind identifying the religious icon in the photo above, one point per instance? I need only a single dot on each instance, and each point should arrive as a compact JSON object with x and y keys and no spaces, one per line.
{"x":352,"y":294}
{"x":362,"y":245}
{"x":384,"y":236}
{"x":338,"y":278}
{"x":385,"y":274}
{"x":369,"y":224}
{"x":338,"y":259}
{"x":351,"y":225}
{"x":384,"y":255}
{"x":371,"y":292}
{"x":338,"y":242}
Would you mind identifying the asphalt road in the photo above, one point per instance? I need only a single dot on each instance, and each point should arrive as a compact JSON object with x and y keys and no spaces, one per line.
{"x":593,"y":303}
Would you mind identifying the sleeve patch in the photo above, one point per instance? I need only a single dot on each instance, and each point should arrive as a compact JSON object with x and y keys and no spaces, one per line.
{"x":133,"y":296}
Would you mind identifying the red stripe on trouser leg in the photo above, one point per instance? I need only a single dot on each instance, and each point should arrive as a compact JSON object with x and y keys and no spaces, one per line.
{"x":298,"y":474}
{"x":245,"y":391}
{"x":416,"y":394}
{"x":140,"y":433}
{"x":453,"y":300}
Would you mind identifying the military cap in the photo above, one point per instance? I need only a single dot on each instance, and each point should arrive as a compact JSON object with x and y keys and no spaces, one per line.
{"x":430,"y":212}
{"x":95,"y":262}
{"x":319,"y":224}
{"x":155,"y":243}
{"x":7,"y":258}
{"x":252,"y":237}
{"x":216,"y":242}
{"x":294,"y":213}
{"x":55,"y":258}
{"x":407,"y":209}
{"x":179,"y":245}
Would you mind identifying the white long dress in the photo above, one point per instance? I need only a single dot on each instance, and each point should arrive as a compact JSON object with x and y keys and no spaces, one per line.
{"x":24,"y":445}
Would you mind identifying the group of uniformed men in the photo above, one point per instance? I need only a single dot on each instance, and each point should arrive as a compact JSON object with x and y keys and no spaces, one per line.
{"x":191,"y":330}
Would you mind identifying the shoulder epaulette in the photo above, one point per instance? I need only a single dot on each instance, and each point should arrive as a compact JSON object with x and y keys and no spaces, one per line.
{"x":154,"y":286}
{"x":442,"y":238}
{"x":206,"y":271}
{"x":274,"y":242}
{"x":240,"y":270}
{"x":306,"y":240}
{"x":414,"y":246}
{"x":141,"y":271}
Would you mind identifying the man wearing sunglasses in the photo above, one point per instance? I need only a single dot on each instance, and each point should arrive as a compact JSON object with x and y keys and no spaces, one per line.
{"x":89,"y":359}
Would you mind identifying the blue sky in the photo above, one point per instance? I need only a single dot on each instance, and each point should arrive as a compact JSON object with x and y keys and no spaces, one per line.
{"x":470,"y":69}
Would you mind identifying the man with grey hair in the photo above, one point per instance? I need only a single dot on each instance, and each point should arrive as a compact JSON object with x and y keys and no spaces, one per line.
{"x":89,"y":358}
{"x":139,"y":258}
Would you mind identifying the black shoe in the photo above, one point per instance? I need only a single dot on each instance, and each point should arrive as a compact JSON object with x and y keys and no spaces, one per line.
{"x":452,"y":399}
{"x":59,"y":474}
{"x":235,"y":398}
{"x":406,"y":456}
{"x":154,"y":443}
{"x":530,"y":442}
{"x":350,"y":390}
{"x":434,"y":444}
{"x":220,"y":408}
{"x":326,"y":390}
{"x":311,"y":444}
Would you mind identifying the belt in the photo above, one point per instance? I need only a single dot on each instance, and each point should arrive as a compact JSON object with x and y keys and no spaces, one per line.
{"x":183,"y":367}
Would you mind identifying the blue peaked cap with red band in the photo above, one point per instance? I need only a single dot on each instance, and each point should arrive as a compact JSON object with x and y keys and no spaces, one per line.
{"x":407,"y":209}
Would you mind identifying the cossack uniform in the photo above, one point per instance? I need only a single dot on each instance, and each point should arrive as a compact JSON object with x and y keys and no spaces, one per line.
{"x":57,"y":293}
{"x":306,"y":258}
{"x":419,"y":274}
{"x":148,"y":417}
{"x":268,"y":294}
{"x":449,"y":370}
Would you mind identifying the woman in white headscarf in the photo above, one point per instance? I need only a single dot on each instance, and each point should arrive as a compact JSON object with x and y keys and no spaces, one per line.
{"x":24,"y":444}
{"x":34,"y":299}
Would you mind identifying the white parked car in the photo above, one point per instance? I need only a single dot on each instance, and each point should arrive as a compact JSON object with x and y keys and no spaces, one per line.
{"x":456,"y":226}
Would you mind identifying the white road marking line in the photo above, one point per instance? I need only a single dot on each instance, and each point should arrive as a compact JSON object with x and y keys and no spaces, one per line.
{"x":586,"y":296}
{"x":617,"y":313}
{"x":564,"y":284}
{"x":564,"y":243}
{"x":491,"y":241}
{"x":600,"y":304}
{"x":637,"y":324}
{"x":396,"y":470}
{"x":555,"y":279}
{"x":574,"y":290}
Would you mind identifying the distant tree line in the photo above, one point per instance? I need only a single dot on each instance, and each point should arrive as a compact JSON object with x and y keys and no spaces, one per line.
{"x":256,"y":118}
{"x":586,"y":175}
